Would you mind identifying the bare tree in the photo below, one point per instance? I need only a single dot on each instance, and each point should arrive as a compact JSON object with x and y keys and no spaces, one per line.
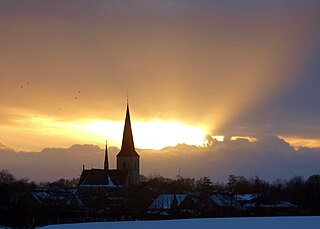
{"x":6,"y":177}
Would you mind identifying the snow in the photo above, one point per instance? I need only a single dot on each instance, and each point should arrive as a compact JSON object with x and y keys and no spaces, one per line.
{"x":165,"y":201}
{"x":248,"y":205}
{"x":110,"y":183}
{"x":221,"y":200}
{"x":280,"y":204}
{"x":246,"y":197}
{"x":43,"y":196}
{"x":217,"y":223}
{"x":98,"y":186}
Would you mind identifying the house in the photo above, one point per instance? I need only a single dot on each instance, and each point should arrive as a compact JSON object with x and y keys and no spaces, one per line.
{"x":172,"y":205}
{"x":248,"y":202}
{"x":54,"y":196}
{"x":215,"y":205}
{"x":280,"y":208}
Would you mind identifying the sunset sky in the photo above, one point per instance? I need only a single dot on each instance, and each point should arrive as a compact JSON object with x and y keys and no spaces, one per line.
{"x":194,"y":71}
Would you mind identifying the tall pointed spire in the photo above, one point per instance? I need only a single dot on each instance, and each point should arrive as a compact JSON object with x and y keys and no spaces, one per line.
{"x":127,"y":148}
{"x":106,"y":160}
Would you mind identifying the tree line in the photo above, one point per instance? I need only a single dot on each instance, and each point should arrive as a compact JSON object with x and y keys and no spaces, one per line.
{"x":15,"y":206}
{"x":303,"y":192}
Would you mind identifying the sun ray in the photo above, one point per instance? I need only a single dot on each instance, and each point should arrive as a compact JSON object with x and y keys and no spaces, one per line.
{"x":153,"y":134}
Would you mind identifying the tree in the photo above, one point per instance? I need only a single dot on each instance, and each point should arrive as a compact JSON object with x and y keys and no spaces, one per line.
{"x":205,"y":185}
{"x":258,"y":185}
{"x":295,"y":189}
{"x":156,"y":183}
{"x":277,"y":190}
{"x":6,"y":177}
{"x":238,"y":184}
{"x":312,"y":187}
{"x":66,"y":183}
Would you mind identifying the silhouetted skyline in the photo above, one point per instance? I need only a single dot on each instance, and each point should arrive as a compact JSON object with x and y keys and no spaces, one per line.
{"x":194,"y":71}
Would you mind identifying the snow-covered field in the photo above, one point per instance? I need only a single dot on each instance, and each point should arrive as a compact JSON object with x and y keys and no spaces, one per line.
{"x":217,"y":223}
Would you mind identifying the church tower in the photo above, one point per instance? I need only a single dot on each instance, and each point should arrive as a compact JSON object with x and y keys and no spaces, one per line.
{"x":128,"y":158}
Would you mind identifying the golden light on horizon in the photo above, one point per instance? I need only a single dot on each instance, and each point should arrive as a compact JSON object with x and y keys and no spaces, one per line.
{"x":147,"y":134}
{"x":36,"y":132}
{"x":250,"y":139}
{"x":50,"y":131}
{"x":218,"y":138}
{"x":298,"y":142}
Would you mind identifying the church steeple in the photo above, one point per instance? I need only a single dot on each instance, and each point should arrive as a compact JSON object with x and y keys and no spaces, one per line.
{"x":128,"y":158}
{"x":106,"y":160}
{"x":127,"y":147}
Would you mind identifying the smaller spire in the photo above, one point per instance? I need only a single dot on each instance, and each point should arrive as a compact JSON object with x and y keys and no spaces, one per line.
{"x":106,"y":160}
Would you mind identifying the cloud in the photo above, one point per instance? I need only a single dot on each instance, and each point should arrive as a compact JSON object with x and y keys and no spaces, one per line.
{"x":5,"y":149}
{"x":270,"y":157}
{"x":51,"y":163}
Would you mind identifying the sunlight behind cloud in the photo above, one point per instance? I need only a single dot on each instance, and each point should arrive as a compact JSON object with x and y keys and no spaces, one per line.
{"x":250,"y":139}
{"x":153,"y":135}
{"x":298,"y":142}
{"x":218,"y":138}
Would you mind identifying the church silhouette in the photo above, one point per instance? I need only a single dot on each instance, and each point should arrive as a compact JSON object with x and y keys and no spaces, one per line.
{"x":128,"y":168}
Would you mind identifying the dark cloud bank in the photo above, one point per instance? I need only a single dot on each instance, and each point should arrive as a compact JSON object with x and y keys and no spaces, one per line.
{"x":269,"y":158}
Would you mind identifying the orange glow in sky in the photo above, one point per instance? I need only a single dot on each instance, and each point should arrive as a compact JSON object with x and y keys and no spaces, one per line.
{"x":64,"y":75}
{"x":154,"y":134}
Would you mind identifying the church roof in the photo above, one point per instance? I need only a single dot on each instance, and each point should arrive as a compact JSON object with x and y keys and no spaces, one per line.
{"x":127,"y":147}
{"x":93,"y":177}
{"x":119,"y":177}
{"x":103,"y":177}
